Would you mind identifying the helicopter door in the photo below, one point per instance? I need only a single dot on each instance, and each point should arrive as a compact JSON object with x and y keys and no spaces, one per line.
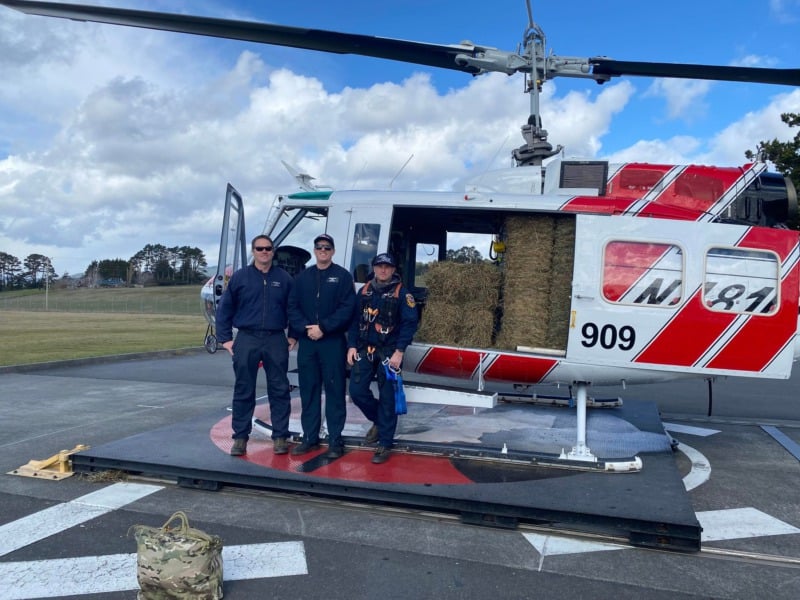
{"x":701,"y":298}
{"x":232,"y":243}
{"x":367,"y":235}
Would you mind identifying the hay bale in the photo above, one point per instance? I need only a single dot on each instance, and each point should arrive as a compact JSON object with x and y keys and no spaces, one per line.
{"x":561,"y":284}
{"x":461,"y":304}
{"x":475,"y":305}
{"x":526,"y":287}
{"x":475,"y":283}
{"x":537,"y":285}
{"x":451,"y":325}
{"x":529,"y":242}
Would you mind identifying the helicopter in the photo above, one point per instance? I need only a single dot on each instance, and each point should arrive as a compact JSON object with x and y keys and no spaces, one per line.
{"x":642,"y":272}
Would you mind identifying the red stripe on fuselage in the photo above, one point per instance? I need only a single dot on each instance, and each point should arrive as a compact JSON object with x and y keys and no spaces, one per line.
{"x":759,"y":340}
{"x":780,"y":241}
{"x":697,"y":188}
{"x":687,"y":336}
{"x":635,"y":180}
{"x":449,"y":362}
{"x":599,"y":205}
{"x":519,"y":369}
{"x":763,"y":336}
{"x":462,"y":364}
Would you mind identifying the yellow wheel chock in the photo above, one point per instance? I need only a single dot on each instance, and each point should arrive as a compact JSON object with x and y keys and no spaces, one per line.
{"x":58,"y":466}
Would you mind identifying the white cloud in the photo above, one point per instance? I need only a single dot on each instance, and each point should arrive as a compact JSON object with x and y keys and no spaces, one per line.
{"x":684,"y":97}
{"x":784,"y":11}
{"x":764,"y":125}
{"x":118,"y":138}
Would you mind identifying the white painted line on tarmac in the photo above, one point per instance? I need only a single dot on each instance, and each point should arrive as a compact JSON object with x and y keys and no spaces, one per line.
{"x":728,"y":524}
{"x":117,"y":572}
{"x":549,"y":545}
{"x":701,"y":468}
{"x":688,"y":429}
{"x":257,"y":561}
{"x":47,"y":522}
{"x":739,"y":523}
{"x":784,"y":440}
{"x":68,"y":576}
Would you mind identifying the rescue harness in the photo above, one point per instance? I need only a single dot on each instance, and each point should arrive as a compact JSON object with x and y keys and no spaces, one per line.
{"x":382,"y":317}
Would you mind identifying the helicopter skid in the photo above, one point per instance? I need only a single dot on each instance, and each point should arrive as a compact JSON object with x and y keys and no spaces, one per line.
{"x":564,"y":401}
{"x":502,"y":456}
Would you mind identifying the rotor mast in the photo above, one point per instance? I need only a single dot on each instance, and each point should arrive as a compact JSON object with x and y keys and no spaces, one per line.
{"x":536,"y":147}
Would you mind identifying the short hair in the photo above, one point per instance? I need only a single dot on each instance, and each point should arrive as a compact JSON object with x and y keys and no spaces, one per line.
{"x":262,"y":236}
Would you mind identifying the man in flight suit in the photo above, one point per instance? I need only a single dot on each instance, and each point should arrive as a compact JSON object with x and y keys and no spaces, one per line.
{"x":321,"y":305}
{"x":379,"y":334}
{"x":255,"y":302}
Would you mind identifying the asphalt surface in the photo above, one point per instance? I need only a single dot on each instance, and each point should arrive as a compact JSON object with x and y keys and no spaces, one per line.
{"x":748,"y":500}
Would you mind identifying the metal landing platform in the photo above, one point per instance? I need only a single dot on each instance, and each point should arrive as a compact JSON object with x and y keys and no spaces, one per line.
{"x":475,"y":478}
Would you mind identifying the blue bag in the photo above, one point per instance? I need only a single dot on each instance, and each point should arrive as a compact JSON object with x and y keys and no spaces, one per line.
{"x":399,"y":393}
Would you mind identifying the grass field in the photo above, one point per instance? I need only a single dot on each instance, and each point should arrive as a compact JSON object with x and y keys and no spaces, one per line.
{"x":170,"y":300}
{"x":99,"y":322}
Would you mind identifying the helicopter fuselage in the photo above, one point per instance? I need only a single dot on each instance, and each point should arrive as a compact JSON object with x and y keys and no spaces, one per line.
{"x":616,"y":273}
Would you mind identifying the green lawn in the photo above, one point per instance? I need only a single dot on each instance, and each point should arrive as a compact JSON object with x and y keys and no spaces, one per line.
{"x":98,"y":322}
{"x":171,"y":300}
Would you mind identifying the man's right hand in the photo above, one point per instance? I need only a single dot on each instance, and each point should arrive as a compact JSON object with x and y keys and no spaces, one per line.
{"x":228,"y":346}
{"x":351,"y":356}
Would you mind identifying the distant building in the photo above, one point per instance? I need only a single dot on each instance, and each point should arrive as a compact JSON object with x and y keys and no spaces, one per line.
{"x":112,"y":282}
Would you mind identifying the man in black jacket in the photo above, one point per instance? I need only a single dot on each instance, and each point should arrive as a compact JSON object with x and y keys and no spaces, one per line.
{"x":321,"y":305}
{"x":255,"y":302}
{"x":379,"y":334}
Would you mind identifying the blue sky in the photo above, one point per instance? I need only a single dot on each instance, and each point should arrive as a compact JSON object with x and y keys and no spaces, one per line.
{"x":112,"y":138}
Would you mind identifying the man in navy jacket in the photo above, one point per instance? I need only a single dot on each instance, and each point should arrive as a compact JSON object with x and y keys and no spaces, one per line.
{"x":255,"y":302}
{"x":384,"y":325}
{"x":321,"y":305}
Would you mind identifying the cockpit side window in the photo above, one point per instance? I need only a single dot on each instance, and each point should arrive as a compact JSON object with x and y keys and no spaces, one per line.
{"x":365,"y":247}
{"x":642,"y":273}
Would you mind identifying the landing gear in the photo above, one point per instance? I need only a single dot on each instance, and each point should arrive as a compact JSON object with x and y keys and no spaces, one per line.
{"x":210,"y":341}
{"x":581,"y":453}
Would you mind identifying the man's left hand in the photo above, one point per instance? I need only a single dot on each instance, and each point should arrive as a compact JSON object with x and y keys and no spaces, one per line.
{"x":396,"y":360}
{"x":314,"y":332}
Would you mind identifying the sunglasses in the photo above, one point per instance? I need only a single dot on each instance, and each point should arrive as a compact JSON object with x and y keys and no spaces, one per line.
{"x":262,"y":248}
{"x":325,"y":248}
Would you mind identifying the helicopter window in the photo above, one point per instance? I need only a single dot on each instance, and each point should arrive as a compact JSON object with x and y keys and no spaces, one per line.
{"x":365,"y":247}
{"x":425,"y":254}
{"x":741,"y":281}
{"x":294,"y":230}
{"x":642,"y":273}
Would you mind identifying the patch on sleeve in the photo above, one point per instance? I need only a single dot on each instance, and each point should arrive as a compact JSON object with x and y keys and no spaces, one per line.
{"x":410,"y":301}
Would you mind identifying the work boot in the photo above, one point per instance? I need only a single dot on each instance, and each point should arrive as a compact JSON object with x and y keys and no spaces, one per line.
{"x":335,"y":452}
{"x":372,"y":435}
{"x":381,"y":455}
{"x":304,"y":448}
{"x":239,"y":447}
{"x":280,"y":446}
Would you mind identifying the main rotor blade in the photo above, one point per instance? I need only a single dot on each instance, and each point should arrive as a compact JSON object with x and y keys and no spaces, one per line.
{"x":464,"y":58}
{"x":433,"y":55}
{"x":613,"y":68}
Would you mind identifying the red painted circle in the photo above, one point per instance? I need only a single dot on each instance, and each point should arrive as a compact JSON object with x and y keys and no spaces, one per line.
{"x":355,"y":465}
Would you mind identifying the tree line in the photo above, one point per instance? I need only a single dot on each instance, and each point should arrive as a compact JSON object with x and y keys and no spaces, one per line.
{"x":155,"y":264}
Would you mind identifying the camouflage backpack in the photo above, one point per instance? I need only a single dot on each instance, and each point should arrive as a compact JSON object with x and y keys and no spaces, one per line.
{"x":179,"y":562}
